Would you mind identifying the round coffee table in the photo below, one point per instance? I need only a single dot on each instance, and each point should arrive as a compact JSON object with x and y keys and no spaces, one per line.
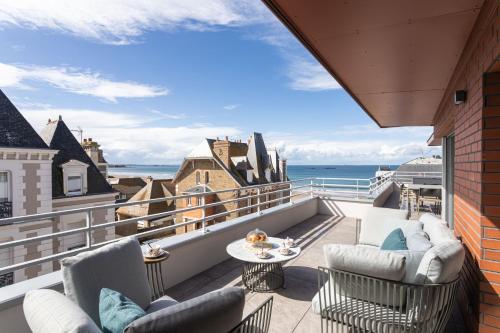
{"x":262,"y":274}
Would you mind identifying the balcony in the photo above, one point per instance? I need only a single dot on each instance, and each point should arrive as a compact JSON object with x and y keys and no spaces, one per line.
{"x":314,"y":212}
{"x":5,"y":209}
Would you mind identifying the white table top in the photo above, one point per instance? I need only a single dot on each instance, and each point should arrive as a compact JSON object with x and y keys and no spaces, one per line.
{"x":241,"y":250}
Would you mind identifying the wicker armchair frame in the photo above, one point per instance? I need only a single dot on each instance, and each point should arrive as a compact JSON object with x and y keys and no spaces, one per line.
{"x":358,"y":303}
{"x":258,"y":321}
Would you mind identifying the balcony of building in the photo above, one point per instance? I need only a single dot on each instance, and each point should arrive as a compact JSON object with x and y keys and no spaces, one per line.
{"x":314,"y":212}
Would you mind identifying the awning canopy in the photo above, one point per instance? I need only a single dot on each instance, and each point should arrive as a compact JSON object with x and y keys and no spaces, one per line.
{"x":394,"y":57}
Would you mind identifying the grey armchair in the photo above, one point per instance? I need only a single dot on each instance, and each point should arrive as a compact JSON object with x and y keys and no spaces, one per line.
{"x":352,"y":302}
{"x":119,"y":266}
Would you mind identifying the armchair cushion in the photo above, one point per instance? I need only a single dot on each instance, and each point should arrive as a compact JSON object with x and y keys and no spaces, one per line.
{"x":441,"y":263}
{"x":380,"y":222}
{"x":48,"y":311}
{"x":436,"y":229}
{"x":117,"y":311}
{"x":364,"y":260}
{"x":214,"y":312}
{"x":161,"y":303}
{"x":118,"y":266}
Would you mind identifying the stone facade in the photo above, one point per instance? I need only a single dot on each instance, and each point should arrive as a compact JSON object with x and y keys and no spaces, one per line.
{"x":224,"y":165}
{"x":30,"y":182}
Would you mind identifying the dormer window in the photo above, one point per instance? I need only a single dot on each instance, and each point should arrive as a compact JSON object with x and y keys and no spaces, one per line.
{"x":207,"y":177}
{"x":198,"y":178}
{"x":75,"y":185}
{"x":74,"y":178}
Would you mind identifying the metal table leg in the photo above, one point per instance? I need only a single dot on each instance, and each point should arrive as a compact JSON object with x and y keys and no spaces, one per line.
{"x":262,"y":277}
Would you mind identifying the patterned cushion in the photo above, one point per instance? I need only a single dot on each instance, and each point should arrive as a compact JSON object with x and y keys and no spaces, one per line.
{"x":48,"y":311}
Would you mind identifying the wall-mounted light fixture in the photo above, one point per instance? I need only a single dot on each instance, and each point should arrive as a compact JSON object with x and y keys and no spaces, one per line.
{"x":460,"y":96}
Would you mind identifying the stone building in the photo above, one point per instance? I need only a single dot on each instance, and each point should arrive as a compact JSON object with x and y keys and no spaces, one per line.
{"x":126,"y":187}
{"x":25,"y":188}
{"x":40,"y":175}
{"x":92,"y":148}
{"x":154,"y":189}
{"x":76,"y":183}
{"x":223,"y":164}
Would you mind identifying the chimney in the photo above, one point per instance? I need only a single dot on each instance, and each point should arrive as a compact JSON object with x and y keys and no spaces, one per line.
{"x":222,"y":150}
{"x":283,"y":171}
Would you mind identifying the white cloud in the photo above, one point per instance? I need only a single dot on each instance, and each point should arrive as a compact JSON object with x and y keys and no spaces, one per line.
{"x":309,"y":76}
{"x":78,"y":82}
{"x":354,"y":145}
{"x":231,"y":107}
{"x":163,"y":115}
{"x":129,"y":138}
{"x":122,"y":21}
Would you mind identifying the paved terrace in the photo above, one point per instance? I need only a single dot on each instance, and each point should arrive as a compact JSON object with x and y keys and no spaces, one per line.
{"x":292,"y":306}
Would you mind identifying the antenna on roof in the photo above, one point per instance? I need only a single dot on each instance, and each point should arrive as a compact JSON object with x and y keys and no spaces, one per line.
{"x":80,"y":131}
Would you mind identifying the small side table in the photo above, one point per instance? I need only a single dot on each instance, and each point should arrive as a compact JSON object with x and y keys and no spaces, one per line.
{"x":155,"y":275}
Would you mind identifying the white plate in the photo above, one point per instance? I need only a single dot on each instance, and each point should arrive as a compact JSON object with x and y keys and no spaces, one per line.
{"x":148,"y":256}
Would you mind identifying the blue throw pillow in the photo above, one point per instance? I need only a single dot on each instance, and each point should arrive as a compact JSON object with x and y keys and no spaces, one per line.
{"x":395,"y":241}
{"x":116,"y":311}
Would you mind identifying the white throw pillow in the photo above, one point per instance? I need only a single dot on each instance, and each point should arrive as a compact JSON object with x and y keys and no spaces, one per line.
{"x":436,"y":229}
{"x":441,"y":263}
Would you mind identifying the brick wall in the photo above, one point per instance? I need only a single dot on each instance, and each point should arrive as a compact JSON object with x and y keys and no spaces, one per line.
{"x":476,"y":125}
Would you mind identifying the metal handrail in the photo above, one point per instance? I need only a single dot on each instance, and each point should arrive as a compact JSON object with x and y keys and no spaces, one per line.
{"x":286,"y":190}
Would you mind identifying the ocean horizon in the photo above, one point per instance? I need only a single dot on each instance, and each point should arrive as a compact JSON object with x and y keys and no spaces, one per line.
{"x":294,"y":171}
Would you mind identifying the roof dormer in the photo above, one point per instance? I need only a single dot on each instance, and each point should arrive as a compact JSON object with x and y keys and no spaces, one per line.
{"x":74,"y":178}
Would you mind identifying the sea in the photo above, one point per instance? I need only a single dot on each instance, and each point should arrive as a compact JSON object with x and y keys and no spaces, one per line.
{"x":294,"y":171}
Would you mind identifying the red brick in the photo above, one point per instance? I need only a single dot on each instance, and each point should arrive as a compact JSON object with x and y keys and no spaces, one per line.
{"x":491,"y":244}
{"x":491,"y":233}
{"x":492,"y":255}
{"x":487,"y":329}
{"x":492,"y":321}
{"x":490,"y":265}
{"x":491,"y":299}
{"x":490,"y":309}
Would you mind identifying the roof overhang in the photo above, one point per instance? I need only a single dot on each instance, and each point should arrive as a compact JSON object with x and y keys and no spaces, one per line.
{"x":394,"y":57}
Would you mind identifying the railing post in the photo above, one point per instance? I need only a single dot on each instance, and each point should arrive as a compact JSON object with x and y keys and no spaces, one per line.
{"x":312,"y":188}
{"x":258,"y":200}
{"x":203,"y":215}
{"x":357,"y":188}
{"x":323,"y":185}
{"x":88,"y":225}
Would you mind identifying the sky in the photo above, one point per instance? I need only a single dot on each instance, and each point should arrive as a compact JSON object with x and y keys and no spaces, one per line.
{"x":149,"y":79}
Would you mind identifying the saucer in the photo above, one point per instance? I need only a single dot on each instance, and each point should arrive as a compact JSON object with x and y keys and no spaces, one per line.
{"x":150,"y":256}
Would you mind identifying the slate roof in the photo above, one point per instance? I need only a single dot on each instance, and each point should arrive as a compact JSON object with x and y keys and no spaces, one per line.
{"x":252,"y":156}
{"x":58,"y":136}
{"x":157,"y":188}
{"x":257,"y":155}
{"x":15,"y":131}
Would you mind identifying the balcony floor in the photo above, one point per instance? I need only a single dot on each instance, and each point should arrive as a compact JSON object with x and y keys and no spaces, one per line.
{"x":292,"y":305}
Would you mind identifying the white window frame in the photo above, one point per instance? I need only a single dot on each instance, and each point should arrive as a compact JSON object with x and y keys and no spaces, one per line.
{"x":74,"y":168}
{"x":9,"y":184}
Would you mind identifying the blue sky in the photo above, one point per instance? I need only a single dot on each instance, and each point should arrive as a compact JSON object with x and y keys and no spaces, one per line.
{"x":150,"y":79}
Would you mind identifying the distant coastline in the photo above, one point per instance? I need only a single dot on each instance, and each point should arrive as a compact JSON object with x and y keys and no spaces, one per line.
{"x":294,"y":171}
